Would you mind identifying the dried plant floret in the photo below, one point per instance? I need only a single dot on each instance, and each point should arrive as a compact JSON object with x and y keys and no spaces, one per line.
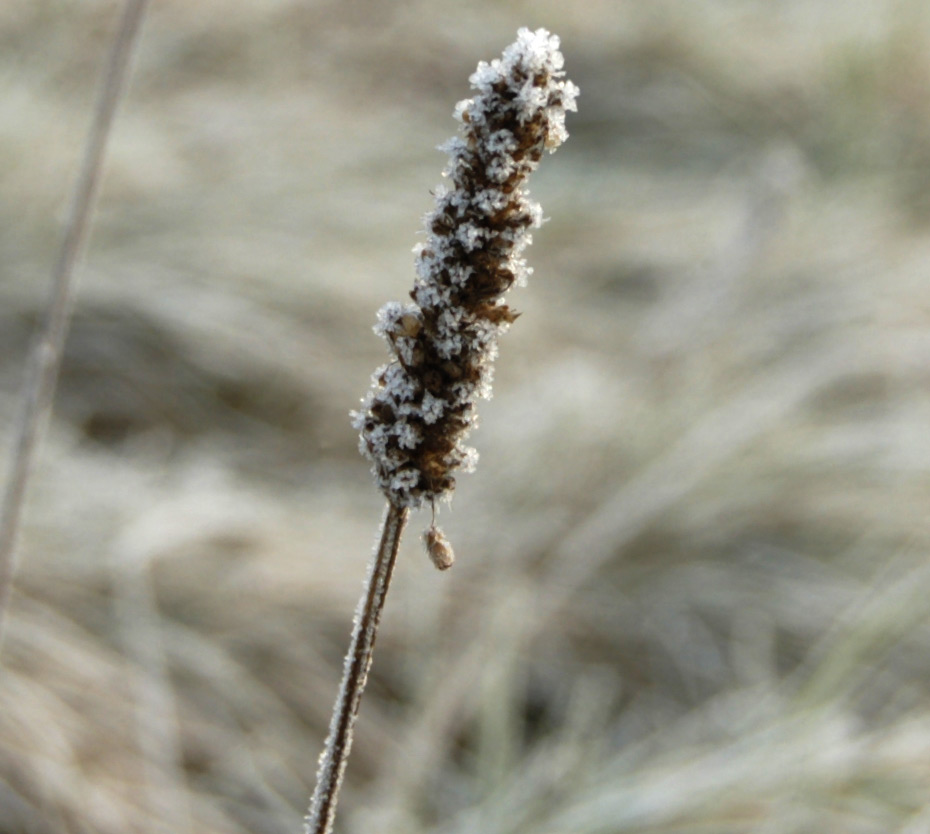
{"x":422,"y":405}
{"x":438,"y":548}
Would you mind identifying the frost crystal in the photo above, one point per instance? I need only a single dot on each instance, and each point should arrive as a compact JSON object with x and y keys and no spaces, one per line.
{"x":414,"y":421}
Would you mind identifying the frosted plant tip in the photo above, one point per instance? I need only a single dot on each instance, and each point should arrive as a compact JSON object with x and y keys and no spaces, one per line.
{"x":422,"y":406}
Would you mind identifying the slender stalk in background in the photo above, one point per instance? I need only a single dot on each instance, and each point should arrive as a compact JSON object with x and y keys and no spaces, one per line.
{"x":45,"y":358}
{"x":422,"y":405}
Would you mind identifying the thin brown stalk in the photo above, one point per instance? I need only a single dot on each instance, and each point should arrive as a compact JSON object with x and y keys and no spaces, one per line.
{"x":45,"y":358}
{"x":355,"y":674}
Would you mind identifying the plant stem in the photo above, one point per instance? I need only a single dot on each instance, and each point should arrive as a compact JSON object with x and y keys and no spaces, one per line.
{"x":355,"y":674}
{"x":45,"y":358}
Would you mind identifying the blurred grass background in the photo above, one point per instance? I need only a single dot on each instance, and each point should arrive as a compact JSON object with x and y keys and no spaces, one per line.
{"x":691,"y":588}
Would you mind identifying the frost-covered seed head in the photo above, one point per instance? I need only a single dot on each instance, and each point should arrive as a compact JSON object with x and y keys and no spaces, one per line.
{"x":414,"y":421}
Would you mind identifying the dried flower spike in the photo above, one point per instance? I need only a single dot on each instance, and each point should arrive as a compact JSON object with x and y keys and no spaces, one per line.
{"x":421,"y":408}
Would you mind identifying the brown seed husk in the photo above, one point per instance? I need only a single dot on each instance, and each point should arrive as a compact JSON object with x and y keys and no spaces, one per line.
{"x":438,"y":548}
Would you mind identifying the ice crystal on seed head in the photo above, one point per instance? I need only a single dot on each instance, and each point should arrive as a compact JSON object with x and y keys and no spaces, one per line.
{"x":421,"y":408}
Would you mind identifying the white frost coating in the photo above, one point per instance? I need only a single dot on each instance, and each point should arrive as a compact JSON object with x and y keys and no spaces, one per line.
{"x":405,"y":480}
{"x":471,"y":237}
{"x":398,"y":384}
{"x":432,"y":408}
{"x":414,"y":422}
{"x":469,"y":460}
{"x":408,"y":436}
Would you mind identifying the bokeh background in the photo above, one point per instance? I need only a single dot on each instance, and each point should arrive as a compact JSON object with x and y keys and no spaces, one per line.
{"x":692,"y":583}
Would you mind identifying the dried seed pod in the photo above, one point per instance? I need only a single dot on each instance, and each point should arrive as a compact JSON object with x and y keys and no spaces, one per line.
{"x":410,"y":324}
{"x":438,"y":548}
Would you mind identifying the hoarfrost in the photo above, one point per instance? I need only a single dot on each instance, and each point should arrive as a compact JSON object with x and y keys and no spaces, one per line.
{"x":422,"y":407}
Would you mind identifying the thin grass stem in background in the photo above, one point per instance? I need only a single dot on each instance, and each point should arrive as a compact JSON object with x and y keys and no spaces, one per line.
{"x":45,"y":358}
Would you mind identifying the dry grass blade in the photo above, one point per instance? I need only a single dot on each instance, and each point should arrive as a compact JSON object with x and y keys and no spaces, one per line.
{"x":45,"y":360}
